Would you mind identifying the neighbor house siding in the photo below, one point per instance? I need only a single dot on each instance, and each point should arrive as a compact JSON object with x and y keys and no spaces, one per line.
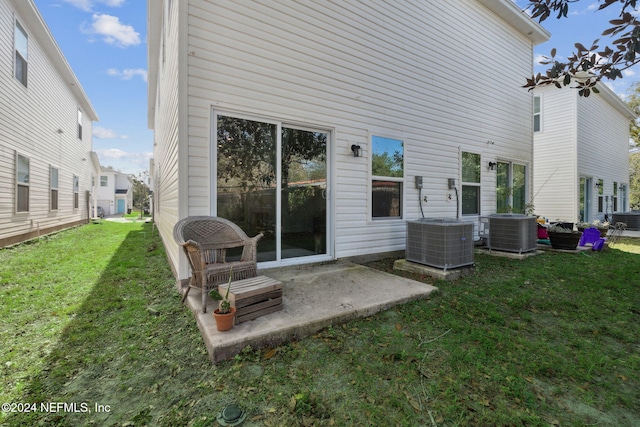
{"x":360,"y":69}
{"x":603,"y":147}
{"x":580,"y":138}
{"x":555,"y":171}
{"x":40,"y":121}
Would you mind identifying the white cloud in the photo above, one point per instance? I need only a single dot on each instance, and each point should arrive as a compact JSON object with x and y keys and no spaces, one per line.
{"x":87,"y":5}
{"x":124,"y":161}
{"x":113,"y":31}
{"x":629,"y":73}
{"x":128,"y":73}
{"x":104,"y":133}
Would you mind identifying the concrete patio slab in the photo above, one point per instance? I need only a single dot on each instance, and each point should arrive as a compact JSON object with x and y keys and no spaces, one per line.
{"x":313,"y":298}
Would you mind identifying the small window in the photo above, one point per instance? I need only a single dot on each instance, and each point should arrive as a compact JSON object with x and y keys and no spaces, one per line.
{"x":600,"y":185}
{"x":537,"y":116}
{"x":615,"y":196}
{"x":79,"y":124}
{"x":104,"y":180}
{"x":470,"y":184}
{"x":54,"y":188}
{"x":21,"y":44}
{"x":387,"y":171}
{"x":22,"y":184}
{"x":76,"y":192}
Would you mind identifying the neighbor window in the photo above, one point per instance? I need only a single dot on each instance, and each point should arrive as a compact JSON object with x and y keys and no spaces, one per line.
{"x":387,"y":177}
{"x":615,"y":197}
{"x":79,"y":124}
{"x":21,"y":44}
{"x":537,"y":116}
{"x":470,"y":183}
{"x":76,"y":192}
{"x":54,"y":188}
{"x":104,"y":180}
{"x":600,"y":185}
{"x":22,"y":181}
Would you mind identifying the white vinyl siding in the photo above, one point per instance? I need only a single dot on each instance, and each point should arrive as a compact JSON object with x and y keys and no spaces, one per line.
{"x":583,"y":137}
{"x":355,"y":68}
{"x":38,"y":122}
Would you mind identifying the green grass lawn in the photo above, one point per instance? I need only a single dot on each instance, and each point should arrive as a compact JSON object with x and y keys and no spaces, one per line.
{"x":90,"y":318}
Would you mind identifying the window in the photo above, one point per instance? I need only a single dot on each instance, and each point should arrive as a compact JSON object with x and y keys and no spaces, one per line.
{"x":537,"y":116}
{"x":76,"y":192}
{"x":79,"y":124}
{"x":104,"y":180}
{"x":470,"y":183}
{"x":615,"y":196}
{"x":511,"y":182}
{"x":600,"y":185}
{"x":21,"y":43}
{"x":22,"y":181}
{"x":54,"y":188}
{"x":387,"y":172}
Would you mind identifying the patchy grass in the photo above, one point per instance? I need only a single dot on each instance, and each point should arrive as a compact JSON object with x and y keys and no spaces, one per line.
{"x":91,"y":316}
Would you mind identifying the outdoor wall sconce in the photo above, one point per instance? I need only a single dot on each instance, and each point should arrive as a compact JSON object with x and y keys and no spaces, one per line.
{"x":491,"y":166}
{"x":598,"y":184}
{"x":356,"y":150}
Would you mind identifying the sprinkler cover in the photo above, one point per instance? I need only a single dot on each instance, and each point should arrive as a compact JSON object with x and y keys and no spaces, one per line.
{"x":231,"y":415}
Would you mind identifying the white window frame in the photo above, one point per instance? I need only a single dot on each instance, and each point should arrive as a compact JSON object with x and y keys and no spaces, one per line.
{"x":372,"y":178}
{"x":76,"y":192}
{"x":470,"y":184}
{"x":537,"y":114}
{"x":24,"y":183}
{"x":105,"y":182}
{"x":18,"y":56}
{"x":54,"y":192}
{"x":80,"y":115}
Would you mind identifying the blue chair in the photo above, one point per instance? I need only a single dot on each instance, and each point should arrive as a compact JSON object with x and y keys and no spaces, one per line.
{"x":592,"y":236}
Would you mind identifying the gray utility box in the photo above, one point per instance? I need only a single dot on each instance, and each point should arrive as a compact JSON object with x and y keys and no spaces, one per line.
{"x":510,"y":232}
{"x":440,"y":242}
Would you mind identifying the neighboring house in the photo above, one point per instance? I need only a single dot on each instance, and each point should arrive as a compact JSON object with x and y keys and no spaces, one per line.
{"x":45,"y":130}
{"x":311,"y":122}
{"x":581,"y":154}
{"x":115,"y":191}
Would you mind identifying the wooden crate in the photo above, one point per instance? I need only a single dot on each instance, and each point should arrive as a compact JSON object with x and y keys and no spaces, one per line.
{"x":254,"y":297}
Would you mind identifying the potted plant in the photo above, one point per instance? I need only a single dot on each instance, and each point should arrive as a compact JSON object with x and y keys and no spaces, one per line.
{"x":224,"y":314}
{"x":602,"y":226}
{"x":562,"y":237}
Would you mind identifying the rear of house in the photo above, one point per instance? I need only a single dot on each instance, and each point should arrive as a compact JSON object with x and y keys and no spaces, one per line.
{"x":46,"y":164}
{"x":581,"y":148}
{"x":115,"y":192}
{"x":328,"y":125}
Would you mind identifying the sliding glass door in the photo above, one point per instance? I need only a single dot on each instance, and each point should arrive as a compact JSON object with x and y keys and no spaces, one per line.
{"x":272,"y":178}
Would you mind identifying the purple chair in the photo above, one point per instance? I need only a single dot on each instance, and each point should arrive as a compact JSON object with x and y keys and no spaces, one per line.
{"x":592,"y":236}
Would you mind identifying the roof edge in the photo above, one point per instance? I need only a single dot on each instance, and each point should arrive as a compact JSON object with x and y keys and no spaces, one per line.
{"x":511,"y":13}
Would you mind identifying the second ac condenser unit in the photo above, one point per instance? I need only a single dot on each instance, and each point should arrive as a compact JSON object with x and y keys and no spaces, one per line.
{"x":510,"y":232}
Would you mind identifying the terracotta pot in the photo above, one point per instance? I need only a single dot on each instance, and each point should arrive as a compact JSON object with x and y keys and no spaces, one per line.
{"x":224,"y":322}
{"x":566,"y":241}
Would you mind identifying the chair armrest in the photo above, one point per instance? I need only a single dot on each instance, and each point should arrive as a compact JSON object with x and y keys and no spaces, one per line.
{"x":250,"y":249}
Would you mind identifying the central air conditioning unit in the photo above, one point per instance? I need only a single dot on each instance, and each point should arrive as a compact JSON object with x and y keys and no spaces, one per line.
{"x":440,"y":242}
{"x":510,"y":232}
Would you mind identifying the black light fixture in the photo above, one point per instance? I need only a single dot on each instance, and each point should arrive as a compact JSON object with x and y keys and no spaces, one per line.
{"x":491,"y":166}
{"x":356,"y":150}
{"x":598,"y":184}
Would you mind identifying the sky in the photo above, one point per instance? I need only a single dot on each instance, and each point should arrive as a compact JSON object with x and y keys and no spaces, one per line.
{"x":584,"y":24}
{"x":104,"y":42}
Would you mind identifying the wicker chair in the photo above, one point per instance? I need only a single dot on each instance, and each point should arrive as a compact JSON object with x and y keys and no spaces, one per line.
{"x":205,"y":240}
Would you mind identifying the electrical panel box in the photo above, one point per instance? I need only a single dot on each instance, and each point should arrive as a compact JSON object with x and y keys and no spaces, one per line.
{"x":452,"y":183}
{"x":418,"y":182}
